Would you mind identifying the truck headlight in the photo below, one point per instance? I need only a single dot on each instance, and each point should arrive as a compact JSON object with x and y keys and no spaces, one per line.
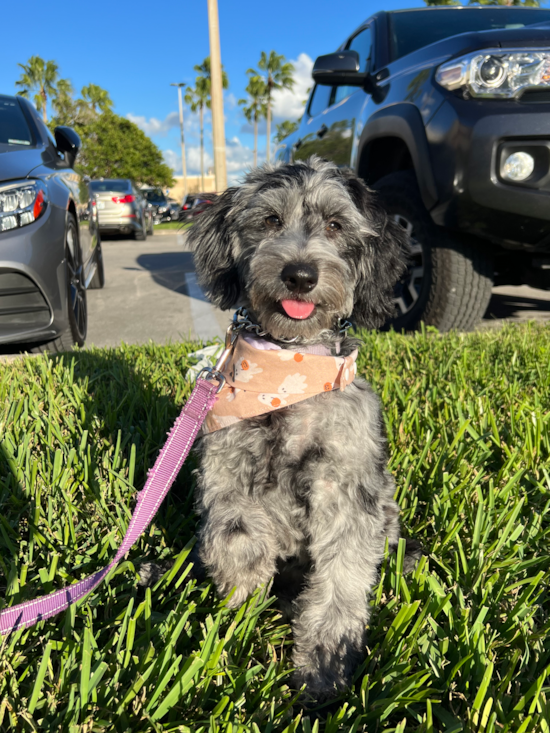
{"x":497,"y":73}
{"x":21,"y":203}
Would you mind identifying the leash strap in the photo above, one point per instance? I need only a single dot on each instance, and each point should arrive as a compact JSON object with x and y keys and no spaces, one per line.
{"x":159,"y":481}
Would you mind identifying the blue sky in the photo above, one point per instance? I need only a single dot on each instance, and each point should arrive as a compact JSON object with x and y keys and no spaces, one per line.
{"x":135,"y":50}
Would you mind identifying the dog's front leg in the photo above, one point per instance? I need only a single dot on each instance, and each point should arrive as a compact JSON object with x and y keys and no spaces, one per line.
{"x":346,"y":546}
{"x":237,"y":540}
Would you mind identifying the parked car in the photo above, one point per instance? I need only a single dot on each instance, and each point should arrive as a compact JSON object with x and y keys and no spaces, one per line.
{"x":446,"y":113}
{"x":122,"y":208}
{"x":195,"y":204}
{"x":188,"y":200}
{"x":50,"y":249}
{"x":158,"y":203}
{"x":174,"y":210}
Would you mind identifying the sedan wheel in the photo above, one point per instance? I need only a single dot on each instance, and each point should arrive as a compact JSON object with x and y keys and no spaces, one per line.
{"x":75,"y":294}
{"x":78,"y":311}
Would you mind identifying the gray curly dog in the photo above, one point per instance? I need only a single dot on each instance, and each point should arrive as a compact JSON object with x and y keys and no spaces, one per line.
{"x":302,"y":494}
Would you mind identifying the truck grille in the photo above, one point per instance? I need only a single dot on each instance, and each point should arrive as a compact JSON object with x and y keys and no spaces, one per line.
{"x":22,"y":305}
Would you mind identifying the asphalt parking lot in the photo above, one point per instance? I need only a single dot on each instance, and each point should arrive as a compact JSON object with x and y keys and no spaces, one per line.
{"x":150,"y":293}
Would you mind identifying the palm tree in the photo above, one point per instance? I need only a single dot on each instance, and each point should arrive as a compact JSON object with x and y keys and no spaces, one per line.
{"x":257,"y":106}
{"x":278,"y":75}
{"x":95,"y":96}
{"x":41,"y":76}
{"x":199,"y":97}
{"x":286,"y":128}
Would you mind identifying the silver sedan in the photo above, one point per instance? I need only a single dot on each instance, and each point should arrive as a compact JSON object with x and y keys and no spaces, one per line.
{"x":122,"y":208}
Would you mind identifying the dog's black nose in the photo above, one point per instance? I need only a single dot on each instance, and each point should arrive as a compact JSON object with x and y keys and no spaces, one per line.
{"x":299,"y":278}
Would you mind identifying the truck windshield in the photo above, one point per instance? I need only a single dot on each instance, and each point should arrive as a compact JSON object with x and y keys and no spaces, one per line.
{"x":414,"y":29}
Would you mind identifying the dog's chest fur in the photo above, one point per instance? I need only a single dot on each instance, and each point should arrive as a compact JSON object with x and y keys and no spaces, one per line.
{"x":322,"y":455}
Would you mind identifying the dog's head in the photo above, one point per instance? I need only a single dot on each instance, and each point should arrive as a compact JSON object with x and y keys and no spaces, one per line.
{"x":300,"y":245}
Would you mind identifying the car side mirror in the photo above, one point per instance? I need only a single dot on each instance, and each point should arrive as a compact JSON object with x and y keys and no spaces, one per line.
{"x":339,"y":69}
{"x":68,"y":143}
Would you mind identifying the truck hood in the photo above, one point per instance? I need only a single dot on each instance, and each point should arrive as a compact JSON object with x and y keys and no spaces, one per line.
{"x":16,"y":163}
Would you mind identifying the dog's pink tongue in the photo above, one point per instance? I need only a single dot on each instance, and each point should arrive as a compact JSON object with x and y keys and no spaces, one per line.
{"x":297,"y":308}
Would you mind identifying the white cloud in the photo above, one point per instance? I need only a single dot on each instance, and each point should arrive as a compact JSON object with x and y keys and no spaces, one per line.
{"x":192,"y":159}
{"x":239,"y":158}
{"x":288,"y":104}
{"x":230,"y":100}
{"x":172,"y":159}
{"x":153,"y":126}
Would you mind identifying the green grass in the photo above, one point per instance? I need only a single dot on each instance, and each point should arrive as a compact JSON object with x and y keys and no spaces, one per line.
{"x":460,"y":645}
{"x":169,"y":225}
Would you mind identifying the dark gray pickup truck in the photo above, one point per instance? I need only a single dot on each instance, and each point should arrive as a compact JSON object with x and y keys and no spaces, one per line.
{"x":446,"y":113}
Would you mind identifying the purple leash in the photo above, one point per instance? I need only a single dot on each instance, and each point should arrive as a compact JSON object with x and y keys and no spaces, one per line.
{"x":159,"y":481}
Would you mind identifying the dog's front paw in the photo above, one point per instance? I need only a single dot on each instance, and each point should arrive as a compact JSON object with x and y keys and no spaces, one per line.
{"x":325,"y":672}
{"x":320,"y":685}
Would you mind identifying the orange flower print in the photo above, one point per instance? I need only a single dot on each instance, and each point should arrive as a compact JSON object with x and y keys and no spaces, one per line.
{"x":298,"y":357}
{"x":327,"y":387}
{"x":244,"y":364}
{"x":275,"y":402}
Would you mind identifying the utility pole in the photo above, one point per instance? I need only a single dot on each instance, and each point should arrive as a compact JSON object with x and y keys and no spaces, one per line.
{"x":183,"y":164}
{"x":216,"y":95}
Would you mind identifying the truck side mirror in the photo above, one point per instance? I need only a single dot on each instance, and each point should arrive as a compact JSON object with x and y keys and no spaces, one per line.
{"x":339,"y":69}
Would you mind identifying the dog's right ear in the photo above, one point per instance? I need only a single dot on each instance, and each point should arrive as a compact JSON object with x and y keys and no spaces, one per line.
{"x":211,"y":241}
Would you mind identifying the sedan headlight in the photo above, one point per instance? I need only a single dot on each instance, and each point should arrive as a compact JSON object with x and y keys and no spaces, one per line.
{"x":21,"y":203}
{"x":496,"y":73}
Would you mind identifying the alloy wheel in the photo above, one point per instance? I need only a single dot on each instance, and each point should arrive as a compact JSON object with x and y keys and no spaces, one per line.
{"x":77,"y":291}
{"x":407,"y":290}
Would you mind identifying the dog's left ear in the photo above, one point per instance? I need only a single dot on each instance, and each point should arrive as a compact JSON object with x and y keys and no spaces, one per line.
{"x":210,"y":238}
{"x":382,"y":260}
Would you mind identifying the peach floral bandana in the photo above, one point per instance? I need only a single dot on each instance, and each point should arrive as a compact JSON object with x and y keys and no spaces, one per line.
{"x":262,"y":377}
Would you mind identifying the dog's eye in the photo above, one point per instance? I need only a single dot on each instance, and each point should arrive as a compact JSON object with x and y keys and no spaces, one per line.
{"x":273,"y":221}
{"x":333,"y":226}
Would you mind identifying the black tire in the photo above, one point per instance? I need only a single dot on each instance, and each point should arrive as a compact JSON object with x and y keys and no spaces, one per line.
{"x":98,"y":280}
{"x":450,"y":275}
{"x":75,"y":335}
{"x":141,"y":236}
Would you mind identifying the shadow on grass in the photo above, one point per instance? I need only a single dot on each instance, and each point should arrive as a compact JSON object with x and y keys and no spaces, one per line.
{"x":105,"y":414}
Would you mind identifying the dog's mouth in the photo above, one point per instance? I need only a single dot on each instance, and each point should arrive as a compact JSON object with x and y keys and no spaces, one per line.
{"x":298,"y":310}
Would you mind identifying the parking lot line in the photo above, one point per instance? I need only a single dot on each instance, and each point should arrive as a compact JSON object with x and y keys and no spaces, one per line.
{"x":205,"y":324}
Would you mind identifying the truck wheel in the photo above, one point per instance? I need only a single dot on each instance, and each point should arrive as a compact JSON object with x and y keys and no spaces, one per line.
{"x":450,"y":276}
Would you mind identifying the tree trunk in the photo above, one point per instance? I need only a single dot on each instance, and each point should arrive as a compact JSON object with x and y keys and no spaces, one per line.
{"x":255,"y":140}
{"x":45,"y":100}
{"x":268,"y":127}
{"x":202,"y":149}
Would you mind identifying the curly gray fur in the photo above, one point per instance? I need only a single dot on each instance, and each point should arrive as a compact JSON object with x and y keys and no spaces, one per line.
{"x":302,"y":493}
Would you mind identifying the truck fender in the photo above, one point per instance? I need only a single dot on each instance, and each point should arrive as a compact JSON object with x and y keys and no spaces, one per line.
{"x":403,"y":120}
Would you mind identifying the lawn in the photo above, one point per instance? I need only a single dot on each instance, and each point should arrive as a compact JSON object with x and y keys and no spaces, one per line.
{"x":459,"y":645}
{"x":171,"y":225}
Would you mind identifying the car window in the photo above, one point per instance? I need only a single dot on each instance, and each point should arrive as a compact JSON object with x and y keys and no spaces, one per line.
{"x":44,"y":129}
{"x":108,"y":186}
{"x":414,"y":29}
{"x":320,"y":99}
{"x":155,"y":196}
{"x":362,"y":43}
{"x":14,"y":129}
